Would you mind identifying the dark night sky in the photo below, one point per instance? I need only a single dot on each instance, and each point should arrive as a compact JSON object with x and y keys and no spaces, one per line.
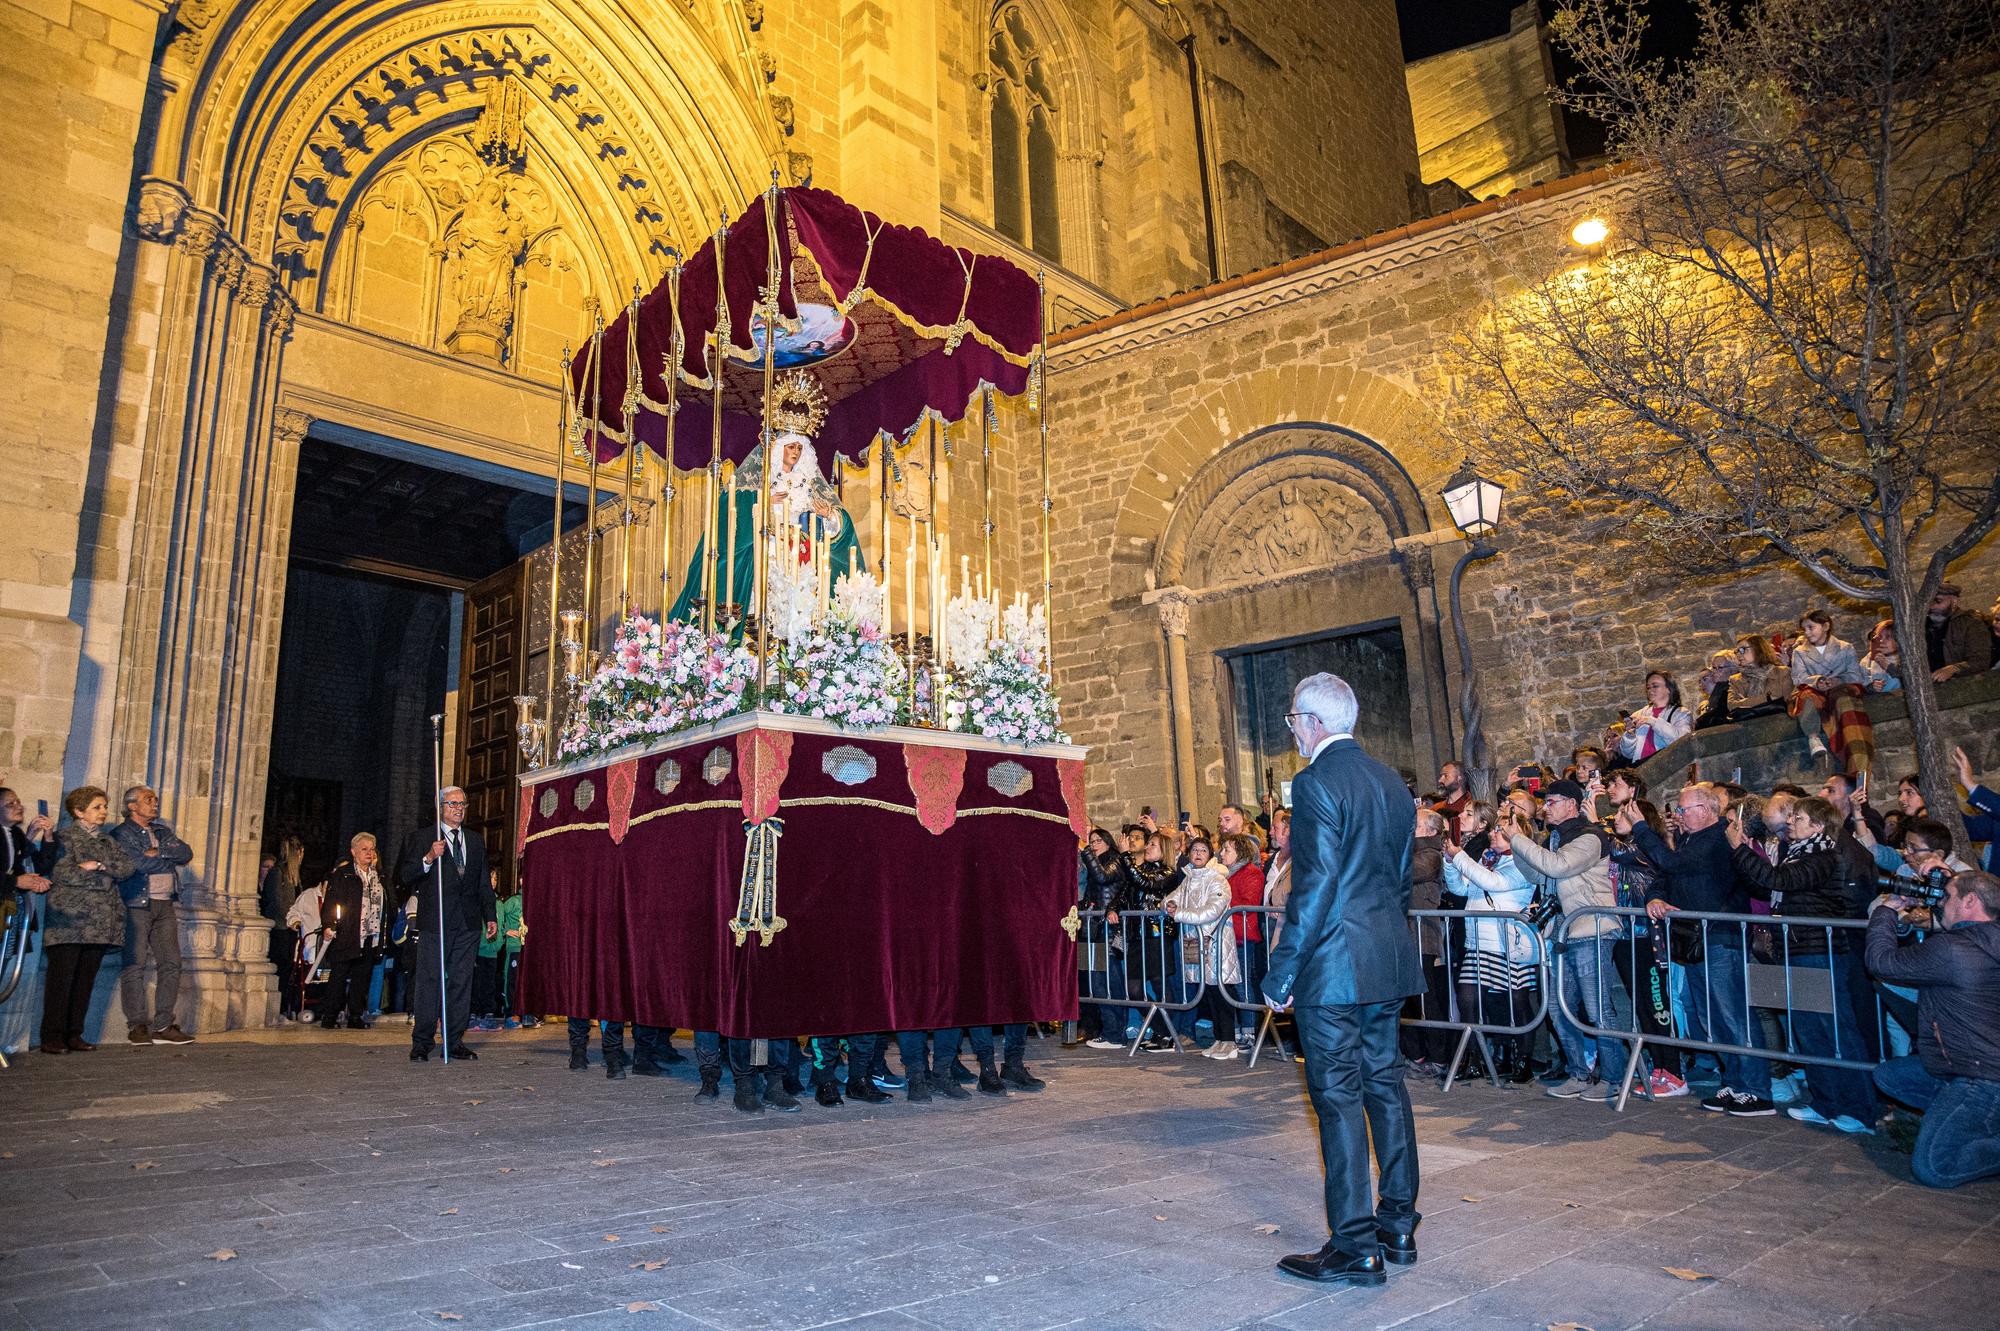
{"x":1431,"y":26}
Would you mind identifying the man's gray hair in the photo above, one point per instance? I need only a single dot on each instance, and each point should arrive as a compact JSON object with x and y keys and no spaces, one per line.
{"x":133,"y":793}
{"x":450,"y":790}
{"x":1330,"y":699}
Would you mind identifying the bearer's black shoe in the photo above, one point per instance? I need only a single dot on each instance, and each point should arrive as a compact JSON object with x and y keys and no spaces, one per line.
{"x":1017,"y":1076}
{"x":1334,"y":1263}
{"x":460,"y":1051}
{"x":961,"y":1073}
{"x":614,"y":1069}
{"x":947,"y":1086}
{"x":1397,"y":1249}
{"x":828,"y":1094}
{"x":746,"y":1097}
{"x":578,"y":1060}
{"x":780,"y":1099}
{"x":711,"y":1085}
{"x":420,"y":1055}
{"x":647,"y":1069}
{"x":989,"y":1081}
{"x":918,"y":1089}
{"x":860,"y":1088}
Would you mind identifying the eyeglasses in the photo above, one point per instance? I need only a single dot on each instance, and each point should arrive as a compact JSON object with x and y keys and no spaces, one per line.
{"x":1288,"y":720}
{"x":454,"y":804}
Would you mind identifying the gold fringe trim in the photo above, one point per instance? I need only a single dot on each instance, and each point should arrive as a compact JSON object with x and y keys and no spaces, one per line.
{"x":806,"y":802}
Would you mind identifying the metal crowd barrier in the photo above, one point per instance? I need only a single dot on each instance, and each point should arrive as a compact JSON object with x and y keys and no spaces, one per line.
{"x":1131,"y":960}
{"x":19,"y":912}
{"x":1137,"y":963}
{"x":1760,"y":950}
{"x":1460,"y":937}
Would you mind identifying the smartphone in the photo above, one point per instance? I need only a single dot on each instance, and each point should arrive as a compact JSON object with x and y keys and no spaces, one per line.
{"x":1186,"y":819}
{"x":1145,"y":811}
{"x":42,"y":808}
{"x":1862,"y":786}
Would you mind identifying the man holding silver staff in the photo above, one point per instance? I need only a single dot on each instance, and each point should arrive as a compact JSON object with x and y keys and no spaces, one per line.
{"x":447,"y":861}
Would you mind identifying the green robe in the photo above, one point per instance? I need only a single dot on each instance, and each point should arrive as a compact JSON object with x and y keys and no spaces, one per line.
{"x":742,"y":534}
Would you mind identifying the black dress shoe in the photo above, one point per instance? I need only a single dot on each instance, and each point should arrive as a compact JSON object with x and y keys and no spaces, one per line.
{"x":1397,"y":1249}
{"x":420,"y":1055}
{"x":1333,"y":1264}
{"x":828,"y":1094}
{"x":460,"y":1051}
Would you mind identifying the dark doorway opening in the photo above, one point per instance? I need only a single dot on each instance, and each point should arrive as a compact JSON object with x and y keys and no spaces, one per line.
{"x":387,"y":541}
{"x":1260,"y":683}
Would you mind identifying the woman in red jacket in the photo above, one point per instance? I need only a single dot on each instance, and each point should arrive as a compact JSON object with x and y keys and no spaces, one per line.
{"x":1238,"y":857}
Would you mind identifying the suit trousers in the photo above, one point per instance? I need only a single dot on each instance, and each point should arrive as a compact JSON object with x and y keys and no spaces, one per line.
{"x":1354,"y":1074}
{"x":461,"y":957}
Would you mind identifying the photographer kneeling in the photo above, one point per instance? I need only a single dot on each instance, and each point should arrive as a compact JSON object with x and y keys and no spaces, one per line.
{"x":1954,"y":1078}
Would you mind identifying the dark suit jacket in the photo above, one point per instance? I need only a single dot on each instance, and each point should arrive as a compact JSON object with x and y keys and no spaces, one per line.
{"x":468,"y":896}
{"x":1347,"y":930}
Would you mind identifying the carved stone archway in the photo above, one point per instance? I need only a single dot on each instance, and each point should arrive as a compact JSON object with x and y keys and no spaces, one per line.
{"x":1295,"y":530}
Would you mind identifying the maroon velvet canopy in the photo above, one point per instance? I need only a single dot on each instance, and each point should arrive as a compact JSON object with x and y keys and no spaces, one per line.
{"x":934,"y":323}
{"x":926,"y":881}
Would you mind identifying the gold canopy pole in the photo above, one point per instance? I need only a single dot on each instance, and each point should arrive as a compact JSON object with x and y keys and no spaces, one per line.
{"x":718,"y":339}
{"x":631,"y":417}
{"x":882,"y":557}
{"x":676,"y":348}
{"x":986,"y":487}
{"x":770,"y":461}
{"x":1039,"y":386}
{"x":555,"y":544}
{"x":591,"y":569}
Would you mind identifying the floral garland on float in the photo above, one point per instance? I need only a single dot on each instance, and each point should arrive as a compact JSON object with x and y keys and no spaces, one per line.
{"x":831,"y":659}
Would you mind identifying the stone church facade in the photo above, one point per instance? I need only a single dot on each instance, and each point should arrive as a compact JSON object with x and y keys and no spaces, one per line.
{"x":234,"y":226}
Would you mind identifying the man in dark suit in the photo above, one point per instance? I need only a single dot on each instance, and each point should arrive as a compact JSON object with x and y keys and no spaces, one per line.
{"x":1346,"y":960}
{"x":468,"y":911}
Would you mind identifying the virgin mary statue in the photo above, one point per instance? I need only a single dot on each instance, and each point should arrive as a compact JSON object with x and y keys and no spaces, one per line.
{"x":804,"y":508}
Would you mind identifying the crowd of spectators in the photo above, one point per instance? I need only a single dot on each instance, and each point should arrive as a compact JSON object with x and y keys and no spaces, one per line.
{"x":1581,"y":861}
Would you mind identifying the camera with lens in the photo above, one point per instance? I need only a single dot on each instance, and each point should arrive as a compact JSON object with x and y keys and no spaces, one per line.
{"x":1928,"y":889}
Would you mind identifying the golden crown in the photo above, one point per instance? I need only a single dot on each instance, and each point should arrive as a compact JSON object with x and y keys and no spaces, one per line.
{"x":798,"y":404}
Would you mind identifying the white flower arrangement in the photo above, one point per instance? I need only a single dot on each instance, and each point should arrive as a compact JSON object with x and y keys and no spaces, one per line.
{"x":844,"y":669}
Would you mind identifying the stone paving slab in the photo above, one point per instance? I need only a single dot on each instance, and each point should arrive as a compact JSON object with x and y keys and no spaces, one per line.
{"x":358,"y":1192}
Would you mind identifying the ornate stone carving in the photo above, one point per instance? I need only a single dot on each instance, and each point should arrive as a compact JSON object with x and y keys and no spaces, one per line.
{"x":161,"y":206}
{"x":781,"y":112}
{"x":424,"y":76}
{"x":199,"y":234}
{"x":1173,"y":609}
{"x":1297,"y":523}
{"x":290,"y":427}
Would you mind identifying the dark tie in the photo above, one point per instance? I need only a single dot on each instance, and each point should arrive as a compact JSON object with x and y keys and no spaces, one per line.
{"x":457,"y":852}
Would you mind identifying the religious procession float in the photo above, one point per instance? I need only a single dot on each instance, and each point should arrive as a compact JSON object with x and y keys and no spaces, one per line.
{"x":827,"y":790}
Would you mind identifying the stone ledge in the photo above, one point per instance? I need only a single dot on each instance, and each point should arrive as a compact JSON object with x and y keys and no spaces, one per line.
{"x":1769,"y":749}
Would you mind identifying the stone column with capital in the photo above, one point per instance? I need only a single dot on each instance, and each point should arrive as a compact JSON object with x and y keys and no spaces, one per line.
{"x":197,"y":647}
{"x":1173,"y":603}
